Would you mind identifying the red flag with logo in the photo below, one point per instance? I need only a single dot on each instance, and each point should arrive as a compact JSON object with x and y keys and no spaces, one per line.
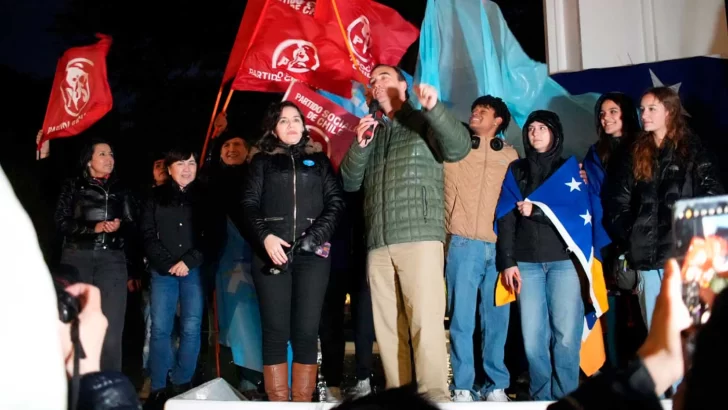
{"x":328,"y":123}
{"x":251,"y":16}
{"x":291,"y":45}
{"x":80,"y":95}
{"x":376,"y":33}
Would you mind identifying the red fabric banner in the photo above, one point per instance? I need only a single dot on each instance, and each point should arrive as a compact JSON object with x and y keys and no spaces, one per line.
{"x":376,"y":33}
{"x":251,"y":17}
{"x":80,"y":95}
{"x":291,"y":45}
{"x":328,"y":123}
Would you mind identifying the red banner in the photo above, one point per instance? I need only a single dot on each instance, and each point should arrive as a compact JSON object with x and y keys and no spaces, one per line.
{"x":251,"y":16}
{"x":328,"y":123}
{"x":80,"y":95}
{"x":287,"y":45}
{"x":376,"y":33}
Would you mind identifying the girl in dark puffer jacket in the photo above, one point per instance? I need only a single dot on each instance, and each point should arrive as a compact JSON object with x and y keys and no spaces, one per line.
{"x":664,"y":164}
{"x":292,"y":200}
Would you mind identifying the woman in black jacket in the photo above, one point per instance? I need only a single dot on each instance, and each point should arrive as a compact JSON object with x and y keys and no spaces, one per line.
{"x":664,"y":164}
{"x":536,"y":264}
{"x":179,"y":230}
{"x":292,"y":200}
{"x":94,"y":215}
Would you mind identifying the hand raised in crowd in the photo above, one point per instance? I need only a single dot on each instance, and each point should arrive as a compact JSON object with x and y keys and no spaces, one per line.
{"x":582,"y":173}
{"x":112,"y":226}
{"x":525,"y":208}
{"x":426,"y":95}
{"x":179,"y":269}
{"x":92,"y":329}
{"x":662,"y":352}
{"x":274,"y":246}
{"x":364,"y":124}
{"x":512,"y":279}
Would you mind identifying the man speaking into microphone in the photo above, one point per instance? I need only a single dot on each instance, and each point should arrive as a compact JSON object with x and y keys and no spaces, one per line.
{"x":400,"y":167}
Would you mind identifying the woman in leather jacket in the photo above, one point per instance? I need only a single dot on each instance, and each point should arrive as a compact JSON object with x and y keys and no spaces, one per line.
{"x":94,"y":215}
{"x":664,"y":164}
{"x":292,"y":201}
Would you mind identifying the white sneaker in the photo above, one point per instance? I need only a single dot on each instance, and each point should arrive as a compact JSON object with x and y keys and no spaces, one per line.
{"x":333,"y":395}
{"x":462,"y":396}
{"x":497,"y":395}
{"x":362,"y":388}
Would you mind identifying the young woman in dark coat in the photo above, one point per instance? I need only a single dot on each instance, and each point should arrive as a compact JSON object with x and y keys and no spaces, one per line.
{"x":293,"y":201}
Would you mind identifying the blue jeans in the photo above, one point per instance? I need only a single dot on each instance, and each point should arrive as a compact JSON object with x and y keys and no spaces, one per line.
{"x":552,"y":321}
{"x":167,"y":290}
{"x":649,"y":289}
{"x":470,"y":268}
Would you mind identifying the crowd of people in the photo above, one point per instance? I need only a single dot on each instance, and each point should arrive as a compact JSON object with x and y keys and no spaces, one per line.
{"x":407,"y":227}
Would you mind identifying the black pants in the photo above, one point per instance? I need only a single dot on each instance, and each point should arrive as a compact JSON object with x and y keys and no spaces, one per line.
{"x":331,"y":330}
{"x":290,"y":307}
{"x":105,"y":269}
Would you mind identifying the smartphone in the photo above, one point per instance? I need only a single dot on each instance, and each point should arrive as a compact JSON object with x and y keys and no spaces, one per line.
{"x":700,"y":229}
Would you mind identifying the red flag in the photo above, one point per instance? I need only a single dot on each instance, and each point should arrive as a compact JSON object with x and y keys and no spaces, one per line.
{"x":80,"y":95}
{"x":291,"y":45}
{"x":376,"y":33}
{"x":328,"y":123}
{"x":251,"y":16}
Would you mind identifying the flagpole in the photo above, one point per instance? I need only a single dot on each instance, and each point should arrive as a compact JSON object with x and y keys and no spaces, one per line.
{"x":209,"y":127}
{"x":227,"y":101}
{"x":346,"y":41}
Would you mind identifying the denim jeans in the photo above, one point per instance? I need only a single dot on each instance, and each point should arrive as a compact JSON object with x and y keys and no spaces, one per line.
{"x":552,"y":321}
{"x":167,"y":290}
{"x":649,"y":288}
{"x":470,"y":268}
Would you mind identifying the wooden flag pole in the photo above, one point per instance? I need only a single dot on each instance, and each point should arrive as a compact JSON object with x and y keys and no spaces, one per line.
{"x":209,"y":127}
{"x":346,"y":41}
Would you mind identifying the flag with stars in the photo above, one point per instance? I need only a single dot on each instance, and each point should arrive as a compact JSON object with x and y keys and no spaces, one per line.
{"x":565,"y":200}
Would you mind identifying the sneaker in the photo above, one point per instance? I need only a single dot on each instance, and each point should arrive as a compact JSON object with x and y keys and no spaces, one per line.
{"x":333,"y":395}
{"x":462,"y":396}
{"x":362,"y":388}
{"x":497,"y":395}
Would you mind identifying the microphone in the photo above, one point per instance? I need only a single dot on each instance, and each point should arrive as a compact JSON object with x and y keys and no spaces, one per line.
{"x":373,"y":108}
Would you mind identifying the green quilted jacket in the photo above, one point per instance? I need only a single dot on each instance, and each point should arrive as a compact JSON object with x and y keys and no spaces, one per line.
{"x":401,"y":171}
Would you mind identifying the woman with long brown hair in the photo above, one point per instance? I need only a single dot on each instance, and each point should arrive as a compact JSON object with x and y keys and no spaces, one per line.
{"x":666,"y":162}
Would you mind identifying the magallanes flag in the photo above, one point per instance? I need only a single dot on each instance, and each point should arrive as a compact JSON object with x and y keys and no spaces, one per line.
{"x":80,"y":95}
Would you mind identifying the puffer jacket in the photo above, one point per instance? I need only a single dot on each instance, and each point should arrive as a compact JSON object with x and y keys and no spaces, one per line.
{"x":292,"y":191}
{"x":472,"y":187}
{"x":180,"y":225}
{"x":86,"y":201}
{"x":532,"y":238}
{"x":401,"y":171}
{"x":639,"y":213}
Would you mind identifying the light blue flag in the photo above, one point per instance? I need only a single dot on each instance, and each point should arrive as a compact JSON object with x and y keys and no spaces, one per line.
{"x":467,"y":50}
{"x":357,"y":104}
{"x":237,"y":303}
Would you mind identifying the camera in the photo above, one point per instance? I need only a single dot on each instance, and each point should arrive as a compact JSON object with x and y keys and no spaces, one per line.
{"x":68,"y":306}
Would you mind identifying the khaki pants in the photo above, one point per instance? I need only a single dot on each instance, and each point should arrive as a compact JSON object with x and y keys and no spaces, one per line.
{"x":408,"y":299}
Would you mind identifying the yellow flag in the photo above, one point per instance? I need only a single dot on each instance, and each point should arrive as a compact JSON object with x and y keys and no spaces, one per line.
{"x":503,"y":296}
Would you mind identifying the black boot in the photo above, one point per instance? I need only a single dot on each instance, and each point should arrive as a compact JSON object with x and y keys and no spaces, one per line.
{"x":156,"y":400}
{"x":178,"y":389}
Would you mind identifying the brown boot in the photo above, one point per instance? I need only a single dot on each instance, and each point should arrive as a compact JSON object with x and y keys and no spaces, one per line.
{"x":275,"y":378}
{"x":304,"y":381}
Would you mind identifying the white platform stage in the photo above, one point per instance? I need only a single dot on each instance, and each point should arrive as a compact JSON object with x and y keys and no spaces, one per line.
{"x":219,"y":395}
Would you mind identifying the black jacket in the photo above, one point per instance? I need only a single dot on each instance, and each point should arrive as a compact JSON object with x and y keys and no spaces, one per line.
{"x":638,"y":214}
{"x":291,"y":191}
{"x":108,"y":390}
{"x":533,"y":238}
{"x":86,"y":201}
{"x":179,"y":225}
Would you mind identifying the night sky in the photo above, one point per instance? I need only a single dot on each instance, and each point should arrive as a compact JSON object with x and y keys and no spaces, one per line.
{"x":164,"y":67}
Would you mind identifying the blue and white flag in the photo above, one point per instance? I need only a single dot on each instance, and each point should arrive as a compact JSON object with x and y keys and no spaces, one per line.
{"x":566,"y":201}
{"x":467,"y":50}
{"x":237,"y":303}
